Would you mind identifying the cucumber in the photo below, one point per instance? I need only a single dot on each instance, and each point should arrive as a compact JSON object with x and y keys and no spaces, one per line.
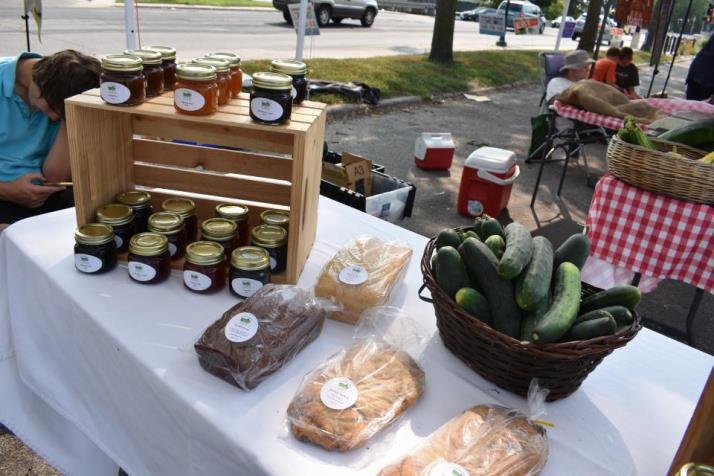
{"x":566,"y":301}
{"x":447,"y":237}
{"x":474,"y":303}
{"x":693,"y":134}
{"x":487,"y":226}
{"x":622,"y":315}
{"x":496,"y":244}
{"x":532,"y":318}
{"x":602,"y":326}
{"x":481,"y":264}
{"x":450,"y":271}
{"x":575,"y":249}
{"x":519,"y":249}
{"x":589,"y":316}
{"x":433,"y":265}
{"x":469,"y":234}
{"x":625,"y":295}
{"x":533,"y":284}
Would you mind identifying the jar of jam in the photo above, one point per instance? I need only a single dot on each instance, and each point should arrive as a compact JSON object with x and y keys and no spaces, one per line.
{"x":223,"y":76}
{"x":121,"y":218}
{"x":186,"y":209}
{"x":149,"y":260}
{"x":239,"y":215}
{"x":140,"y":204}
{"x":94,"y":250}
{"x":153,"y":73}
{"x":168,"y":64}
{"x":276,"y":217}
{"x":296,"y":70}
{"x":274,"y":239}
{"x":121,"y":82}
{"x":250,"y":271}
{"x":236,"y":72}
{"x":204,"y":270}
{"x":196,"y":89}
{"x":221,"y":231}
{"x":270,"y":100}
{"x":172,"y":227}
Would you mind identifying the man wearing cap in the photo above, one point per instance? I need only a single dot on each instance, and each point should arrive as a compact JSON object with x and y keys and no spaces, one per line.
{"x":576,"y":67}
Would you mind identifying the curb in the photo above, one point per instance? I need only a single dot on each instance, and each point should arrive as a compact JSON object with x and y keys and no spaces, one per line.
{"x":268,"y":6}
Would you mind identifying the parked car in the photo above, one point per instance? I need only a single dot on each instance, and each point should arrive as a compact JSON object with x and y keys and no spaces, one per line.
{"x":473,"y":15}
{"x":580,"y":24}
{"x":556,"y":23}
{"x":520,"y":8}
{"x":336,"y":10}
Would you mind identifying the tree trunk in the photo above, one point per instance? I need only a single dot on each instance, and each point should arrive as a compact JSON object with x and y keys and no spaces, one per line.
{"x":592,"y":24}
{"x":651,"y":29}
{"x":442,"y":40}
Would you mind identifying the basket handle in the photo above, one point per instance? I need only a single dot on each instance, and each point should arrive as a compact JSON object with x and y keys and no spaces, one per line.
{"x":424,"y":298}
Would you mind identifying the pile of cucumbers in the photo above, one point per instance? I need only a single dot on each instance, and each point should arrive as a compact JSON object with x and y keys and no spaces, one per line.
{"x":521,"y":287}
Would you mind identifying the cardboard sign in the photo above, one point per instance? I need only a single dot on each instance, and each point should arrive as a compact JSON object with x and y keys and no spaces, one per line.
{"x":634,"y":12}
{"x":492,"y":24}
{"x":311,"y":26}
{"x":354,"y":173}
{"x":568,"y":29}
{"x":525,"y":25}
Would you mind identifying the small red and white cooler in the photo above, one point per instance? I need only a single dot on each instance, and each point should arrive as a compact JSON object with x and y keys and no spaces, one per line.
{"x":486,"y":181}
{"x":434,"y":150}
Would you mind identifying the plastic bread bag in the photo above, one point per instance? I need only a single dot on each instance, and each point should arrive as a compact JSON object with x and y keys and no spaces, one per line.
{"x":362,"y":389}
{"x":363,"y":274}
{"x":255,"y":338}
{"x":485,"y":440}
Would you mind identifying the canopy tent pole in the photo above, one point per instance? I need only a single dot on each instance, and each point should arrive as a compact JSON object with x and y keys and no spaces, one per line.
{"x":130,"y":24}
{"x":26,"y":17}
{"x":302,"y":20}
{"x":566,"y":7}
{"x":676,"y":46}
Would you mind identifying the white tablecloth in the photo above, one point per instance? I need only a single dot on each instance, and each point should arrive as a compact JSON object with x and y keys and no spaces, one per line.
{"x":115,"y":359}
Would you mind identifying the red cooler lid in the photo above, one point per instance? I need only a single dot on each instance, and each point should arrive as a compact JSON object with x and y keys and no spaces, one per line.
{"x":491,"y":159}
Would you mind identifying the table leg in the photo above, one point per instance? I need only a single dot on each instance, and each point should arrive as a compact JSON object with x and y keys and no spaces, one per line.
{"x":693,"y":308}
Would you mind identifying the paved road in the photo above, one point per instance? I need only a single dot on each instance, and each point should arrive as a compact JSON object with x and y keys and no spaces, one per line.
{"x":99,"y":29}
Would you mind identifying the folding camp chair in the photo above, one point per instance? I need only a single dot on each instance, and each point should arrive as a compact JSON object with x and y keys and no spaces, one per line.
{"x":552,"y":62}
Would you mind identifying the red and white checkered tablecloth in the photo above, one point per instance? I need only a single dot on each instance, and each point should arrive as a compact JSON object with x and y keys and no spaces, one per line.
{"x":652,"y":234}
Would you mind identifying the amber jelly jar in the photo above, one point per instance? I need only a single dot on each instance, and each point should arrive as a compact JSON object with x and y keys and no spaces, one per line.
{"x":236,"y":72}
{"x":170,"y":225}
{"x":140,"y":204}
{"x":296,"y":70}
{"x":122,"y":82}
{"x":95,"y":251}
{"x":186,"y":209}
{"x":168,"y":64}
{"x":121,"y":219}
{"x":149,"y":260}
{"x":239,"y":215}
{"x":222,"y":231}
{"x":223,"y":76}
{"x":196,"y":89}
{"x":250,"y":271}
{"x":204,"y":270}
{"x":270,"y":100}
{"x":274,"y":239}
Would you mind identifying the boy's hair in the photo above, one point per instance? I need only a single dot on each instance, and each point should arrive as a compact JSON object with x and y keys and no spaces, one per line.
{"x":613,"y":51}
{"x":63,"y":75}
{"x":626,"y":53}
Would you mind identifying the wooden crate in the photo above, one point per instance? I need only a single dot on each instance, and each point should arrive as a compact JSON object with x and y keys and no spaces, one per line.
{"x":113,"y":149}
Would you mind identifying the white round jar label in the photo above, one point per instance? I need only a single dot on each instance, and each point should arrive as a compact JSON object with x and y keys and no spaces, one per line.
{"x":246,"y":286}
{"x":354,"y":274}
{"x":241,"y":327}
{"x":118,"y":241}
{"x":141,"y":271}
{"x":114,"y":93}
{"x":196,"y":281}
{"x":172,"y":249}
{"x":188,"y":99}
{"x":266,"y":109}
{"x":87,"y":263}
{"x":445,"y":468}
{"x":273,"y":263}
{"x":293,"y":92}
{"x":339,"y":393}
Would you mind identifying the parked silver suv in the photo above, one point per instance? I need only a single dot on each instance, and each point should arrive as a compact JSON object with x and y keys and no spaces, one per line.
{"x":336,"y":10}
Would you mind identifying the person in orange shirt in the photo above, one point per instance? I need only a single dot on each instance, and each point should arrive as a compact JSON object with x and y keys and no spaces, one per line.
{"x":606,"y":68}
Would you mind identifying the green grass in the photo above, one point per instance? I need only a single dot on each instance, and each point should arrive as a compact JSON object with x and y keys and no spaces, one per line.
{"x":218,"y":3}
{"x":414,"y":75}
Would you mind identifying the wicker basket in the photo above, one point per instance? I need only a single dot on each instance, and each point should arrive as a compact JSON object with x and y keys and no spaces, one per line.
{"x":661,"y":173}
{"x":510,"y":363}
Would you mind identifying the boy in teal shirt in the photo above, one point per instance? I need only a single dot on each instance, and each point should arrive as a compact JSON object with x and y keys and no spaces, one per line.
{"x":33,"y":136}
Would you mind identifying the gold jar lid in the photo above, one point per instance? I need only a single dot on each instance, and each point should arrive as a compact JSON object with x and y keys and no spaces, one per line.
{"x":288,"y":67}
{"x":147,"y":56}
{"x":165,"y":222}
{"x":135,"y":199}
{"x":205,"y":253}
{"x":167,"y":52}
{"x":275,"y":217}
{"x":122,"y":63}
{"x":183,"y":206}
{"x":269,"y":236}
{"x":195,"y":72}
{"x":232,"y":58}
{"x":94,"y":234}
{"x":232,"y":211}
{"x":219,"y":229}
{"x":115,"y":214}
{"x":221,"y":65}
{"x":250,"y":258}
{"x":276,"y":81}
{"x":148,"y":244}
